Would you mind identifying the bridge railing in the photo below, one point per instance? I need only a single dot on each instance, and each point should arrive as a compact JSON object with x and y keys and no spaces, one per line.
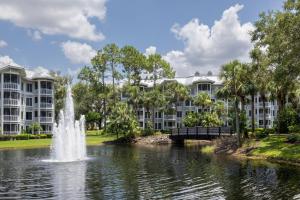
{"x":198,"y":130}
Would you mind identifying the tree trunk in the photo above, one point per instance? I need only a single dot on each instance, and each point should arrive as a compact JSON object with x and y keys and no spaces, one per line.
{"x":237,"y":123}
{"x":264,"y":112}
{"x":252,"y":113}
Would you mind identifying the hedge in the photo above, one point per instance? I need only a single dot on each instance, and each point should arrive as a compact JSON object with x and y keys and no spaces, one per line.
{"x":24,"y":137}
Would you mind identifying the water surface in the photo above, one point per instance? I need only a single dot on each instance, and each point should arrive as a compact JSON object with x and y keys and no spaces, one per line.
{"x":126,"y":172}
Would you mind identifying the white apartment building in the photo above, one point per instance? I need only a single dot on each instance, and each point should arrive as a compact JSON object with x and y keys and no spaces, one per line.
{"x":25,"y":97}
{"x":201,"y":83}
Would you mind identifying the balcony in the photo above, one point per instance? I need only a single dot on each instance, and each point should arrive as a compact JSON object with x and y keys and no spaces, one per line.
{"x":170,"y":117}
{"x":46,"y":119}
{"x":11,"y":102}
{"x":10,"y":132}
{"x":11,"y":118}
{"x":11,"y":86}
{"x":45,"y":91}
{"x":46,"y":105}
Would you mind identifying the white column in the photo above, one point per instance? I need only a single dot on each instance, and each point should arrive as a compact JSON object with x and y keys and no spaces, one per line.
{"x":2,"y":98}
{"x":39,"y":102}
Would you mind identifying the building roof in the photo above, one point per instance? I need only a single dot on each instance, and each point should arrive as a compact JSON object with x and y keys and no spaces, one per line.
{"x":187,"y":80}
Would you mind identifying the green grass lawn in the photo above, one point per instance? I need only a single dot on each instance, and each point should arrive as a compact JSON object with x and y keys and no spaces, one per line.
{"x":276,"y":147}
{"x":36,"y":143}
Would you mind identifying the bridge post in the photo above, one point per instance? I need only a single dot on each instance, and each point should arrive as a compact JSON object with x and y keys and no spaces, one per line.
{"x":178,"y":130}
{"x":197,"y":131}
{"x":219,"y":130}
{"x":187,"y":131}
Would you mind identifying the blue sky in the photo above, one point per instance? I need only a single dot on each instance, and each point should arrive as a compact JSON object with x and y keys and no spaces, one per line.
{"x":63,"y":35}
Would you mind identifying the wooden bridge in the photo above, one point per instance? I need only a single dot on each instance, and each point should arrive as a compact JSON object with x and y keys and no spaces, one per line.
{"x":178,"y":135}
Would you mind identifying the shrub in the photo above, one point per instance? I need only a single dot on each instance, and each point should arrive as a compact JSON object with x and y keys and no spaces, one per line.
{"x":287,"y":117}
{"x":260,"y":133}
{"x":292,"y":138}
{"x":294,"y":129}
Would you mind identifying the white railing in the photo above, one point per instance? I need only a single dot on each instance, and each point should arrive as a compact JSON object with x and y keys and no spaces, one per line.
{"x":11,"y":118}
{"x":170,"y":117}
{"x":9,"y":85}
{"x":46,"y":91}
{"x":46,"y":105}
{"x":46,"y":119}
{"x":10,"y":132}
{"x":13,"y":102}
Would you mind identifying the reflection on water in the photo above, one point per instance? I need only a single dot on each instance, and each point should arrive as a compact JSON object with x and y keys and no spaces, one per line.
{"x":124,"y":172}
{"x":69,"y":180}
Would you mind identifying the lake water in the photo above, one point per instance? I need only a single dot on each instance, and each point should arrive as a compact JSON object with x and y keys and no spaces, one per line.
{"x":126,"y":172}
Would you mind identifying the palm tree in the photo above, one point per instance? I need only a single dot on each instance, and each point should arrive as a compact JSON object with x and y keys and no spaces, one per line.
{"x":203,"y":100}
{"x":262,"y":77}
{"x":232,"y":75}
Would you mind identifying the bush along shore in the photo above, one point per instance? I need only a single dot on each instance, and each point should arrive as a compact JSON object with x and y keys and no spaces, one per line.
{"x":274,"y":147}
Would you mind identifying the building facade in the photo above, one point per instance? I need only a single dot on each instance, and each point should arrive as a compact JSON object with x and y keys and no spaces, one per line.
{"x":196,"y":84}
{"x":26,"y":97}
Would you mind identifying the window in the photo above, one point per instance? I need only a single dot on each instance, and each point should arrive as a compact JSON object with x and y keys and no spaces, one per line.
{"x":35,"y":100}
{"x":29,"y":87}
{"x":36,"y":85}
{"x":179,"y":114}
{"x":28,"y":115}
{"x":187,"y":103}
{"x":35,"y":113}
{"x":28,"y":101}
{"x":203,"y":87}
{"x":11,"y":78}
{"x":250,"y":114}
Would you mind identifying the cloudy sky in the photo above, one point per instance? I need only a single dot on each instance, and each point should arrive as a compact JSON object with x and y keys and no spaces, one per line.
{"x":192,"y":35}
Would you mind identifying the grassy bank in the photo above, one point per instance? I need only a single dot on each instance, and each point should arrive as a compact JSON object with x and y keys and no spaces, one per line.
{"x":91,"y":139}
{"x":274,"y":147}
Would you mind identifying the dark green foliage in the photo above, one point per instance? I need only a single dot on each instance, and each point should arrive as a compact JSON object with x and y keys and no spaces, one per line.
{"x":24,"y":137}
{"x":285,"y":118}
{"x":260,"y":133}
{"x":191,"y":120}
{"x":294,"y":138}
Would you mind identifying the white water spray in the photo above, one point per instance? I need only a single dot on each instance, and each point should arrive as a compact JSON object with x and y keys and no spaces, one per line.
{"x":68,"y":143}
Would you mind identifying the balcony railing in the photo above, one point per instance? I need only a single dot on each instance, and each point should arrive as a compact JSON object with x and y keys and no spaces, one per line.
{"x":11,"y":118}
{"x":11,"y":102}
{"x":170,"y":117}
{"x":46,"y":91}
{"x":10,"y":132}
{"x":46,"y":105}
{"x":13,"y":86}
{"x":46,"y":119}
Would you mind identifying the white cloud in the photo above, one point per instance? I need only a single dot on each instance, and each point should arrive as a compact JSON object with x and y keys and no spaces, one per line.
{"x":67,"y":17}
{"x":150,"y":50}
{"x":207,"y":48}
{"x":2,"y":44}
{"x":78,"y":52}
{"x":6,"y":60}
{"x":35,"y":35}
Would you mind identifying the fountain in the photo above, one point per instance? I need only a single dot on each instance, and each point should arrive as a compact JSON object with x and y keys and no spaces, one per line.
{"x":68,"y":143}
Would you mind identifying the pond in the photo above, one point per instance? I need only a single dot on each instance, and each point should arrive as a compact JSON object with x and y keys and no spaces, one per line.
{"x":136,"y":172}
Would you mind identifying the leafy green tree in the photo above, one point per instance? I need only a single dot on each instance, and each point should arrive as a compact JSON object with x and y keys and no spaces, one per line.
{"x":60,"y":85}
{"x":91,"y":118}
{"x":94,"y":78}
{"x":277,"y":32}
{"x":210,"y":119}
{"x":191,"y":119}
{"x":112,"y":56}
{"x":203,"y":100}
{"x":157,"y":68}
{"x":122,"y":120}
{"x":34,"y":128}
{"x":262,"y":77}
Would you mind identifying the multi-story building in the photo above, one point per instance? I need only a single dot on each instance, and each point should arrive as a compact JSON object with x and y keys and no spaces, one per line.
{"x":25,"y":97}
{"x":196,"y":84}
